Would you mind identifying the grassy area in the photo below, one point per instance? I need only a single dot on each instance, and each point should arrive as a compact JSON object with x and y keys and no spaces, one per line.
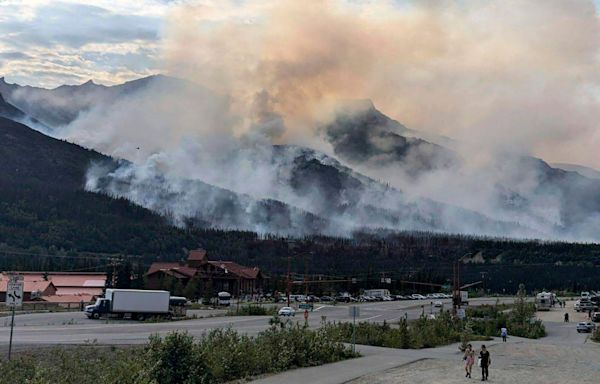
{"x":518,"y":318}
{"x":421,"y":333}
{"x":596,"y":335}
{"x":253,"y":310}
{"x":219,"y":356}
{"x":481,"y":323}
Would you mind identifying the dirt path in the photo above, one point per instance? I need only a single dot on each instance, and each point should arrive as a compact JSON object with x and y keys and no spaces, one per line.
{"x":512,"y":363}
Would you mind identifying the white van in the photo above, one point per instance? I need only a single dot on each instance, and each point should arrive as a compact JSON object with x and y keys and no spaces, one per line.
{"x":224,"y":299}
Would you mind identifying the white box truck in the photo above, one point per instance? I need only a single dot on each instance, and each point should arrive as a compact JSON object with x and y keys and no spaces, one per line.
{"x":377,"y":293}
{"x":135,"y":303}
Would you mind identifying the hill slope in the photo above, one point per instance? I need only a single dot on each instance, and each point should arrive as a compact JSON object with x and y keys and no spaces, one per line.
{"x":43,"y":201}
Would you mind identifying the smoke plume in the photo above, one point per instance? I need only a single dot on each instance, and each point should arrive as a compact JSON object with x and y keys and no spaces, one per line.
{"x":504,"y":80}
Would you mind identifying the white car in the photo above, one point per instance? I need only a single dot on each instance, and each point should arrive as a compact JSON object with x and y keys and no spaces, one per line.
{"x":438,"y":304}
{"x":416,"y":296}
{"x":287,"y":311}
{"x":586,"y":326}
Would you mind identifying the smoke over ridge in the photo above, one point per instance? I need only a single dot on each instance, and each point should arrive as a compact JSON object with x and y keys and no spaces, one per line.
{"x":503,"y":79}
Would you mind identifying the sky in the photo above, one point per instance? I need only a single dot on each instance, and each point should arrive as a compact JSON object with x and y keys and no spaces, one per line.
{"x":49,"y":43}
{"x":513,"y":73}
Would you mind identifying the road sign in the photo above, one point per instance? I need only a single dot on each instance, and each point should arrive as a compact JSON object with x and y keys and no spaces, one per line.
{"x":461,"y":313}
{"x":14,"y":298}
{"x":14,"y":293}
{"x":464,"y":296}
{"x":354,"y":311}
{"x":305,"y":306}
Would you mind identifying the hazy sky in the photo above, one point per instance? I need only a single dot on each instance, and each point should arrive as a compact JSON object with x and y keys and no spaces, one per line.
{"x":515,"y":73}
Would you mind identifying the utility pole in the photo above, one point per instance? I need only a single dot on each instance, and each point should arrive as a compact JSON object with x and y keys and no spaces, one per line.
{"x":305,"y":278}
{"x":289,"y":279}
{"x":237,"y":310}
{"x":456,"y":300}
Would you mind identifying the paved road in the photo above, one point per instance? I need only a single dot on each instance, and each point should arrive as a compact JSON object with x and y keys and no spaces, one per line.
{"x":75,"y":328}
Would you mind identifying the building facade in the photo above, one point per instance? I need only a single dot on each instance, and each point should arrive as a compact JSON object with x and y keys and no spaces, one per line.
{"x":198,"y":276}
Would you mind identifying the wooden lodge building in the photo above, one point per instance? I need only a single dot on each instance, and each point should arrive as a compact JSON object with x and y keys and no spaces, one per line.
{"x":213,"y":275}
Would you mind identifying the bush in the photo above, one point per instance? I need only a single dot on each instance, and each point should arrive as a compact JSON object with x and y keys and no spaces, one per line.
{"x":175,"y":359}
{"x":518,"y":319}
{"x":76,"y":365}
{"x":596,"y":335}
{"x":421,"y":333}
{"x":253,"y":310}
{"x":219,"y":356}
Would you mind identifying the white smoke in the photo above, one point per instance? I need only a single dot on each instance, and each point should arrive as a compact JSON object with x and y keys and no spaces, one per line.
{"x":505,"y":79}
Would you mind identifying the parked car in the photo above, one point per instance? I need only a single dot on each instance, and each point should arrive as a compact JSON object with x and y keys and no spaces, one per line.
{"x":326,"y":299}
{"x":416,"y":296}
{"x":438,"y":304}
{"x":287,"y":311}
{"x":344,"y":297}
{"x":387,"y":298}
{"x":585,"y":306}
{"x":312,"y":299}
{"x":585,"y":326}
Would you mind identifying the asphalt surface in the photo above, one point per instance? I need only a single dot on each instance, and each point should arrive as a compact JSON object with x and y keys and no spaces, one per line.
{"x":76,"y":328}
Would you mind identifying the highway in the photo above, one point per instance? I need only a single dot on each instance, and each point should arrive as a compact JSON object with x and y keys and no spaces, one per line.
{"x":75,"y":328}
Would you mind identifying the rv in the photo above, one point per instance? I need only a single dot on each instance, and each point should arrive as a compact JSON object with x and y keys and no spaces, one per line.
{"x":544,"y":301}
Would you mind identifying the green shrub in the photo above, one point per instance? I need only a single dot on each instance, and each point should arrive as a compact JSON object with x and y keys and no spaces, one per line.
{"x":219,"y":356}
{"x":253,"y":310}
{"x":76,"y":365}
{"x":421,"y":333}
{"x":175,"y":359}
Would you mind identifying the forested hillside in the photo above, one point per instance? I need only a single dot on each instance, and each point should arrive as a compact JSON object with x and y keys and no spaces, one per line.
{"x":43,"y":201}
{"x":48,"y":221}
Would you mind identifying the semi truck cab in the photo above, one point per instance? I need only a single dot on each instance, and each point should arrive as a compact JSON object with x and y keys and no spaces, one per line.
{"x":99,"y":308}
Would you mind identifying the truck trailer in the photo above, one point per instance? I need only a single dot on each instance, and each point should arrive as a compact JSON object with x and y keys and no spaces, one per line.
{"x":136,"y":304}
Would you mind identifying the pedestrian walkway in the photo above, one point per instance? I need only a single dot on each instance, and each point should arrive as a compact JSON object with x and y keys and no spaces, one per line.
{"x":373,"y":360}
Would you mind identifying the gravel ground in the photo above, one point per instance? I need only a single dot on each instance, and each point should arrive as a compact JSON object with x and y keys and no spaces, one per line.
{"x":512,"y":363}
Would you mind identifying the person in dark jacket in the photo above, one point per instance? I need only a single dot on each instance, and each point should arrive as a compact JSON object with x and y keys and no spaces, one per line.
{"x":486,"y":360}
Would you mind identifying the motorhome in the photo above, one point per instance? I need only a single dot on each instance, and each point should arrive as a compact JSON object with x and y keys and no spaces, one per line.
{"x":544,"y":301}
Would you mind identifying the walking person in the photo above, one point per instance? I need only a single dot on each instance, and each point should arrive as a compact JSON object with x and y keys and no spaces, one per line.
{"x":469,"y":359}
{"x":485,"y":361}
{"x":504,"y":333}
{"x":566,"y":317}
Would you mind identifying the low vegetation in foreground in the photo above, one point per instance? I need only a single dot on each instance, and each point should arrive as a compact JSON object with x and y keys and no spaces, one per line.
{"x":217,"y":357}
